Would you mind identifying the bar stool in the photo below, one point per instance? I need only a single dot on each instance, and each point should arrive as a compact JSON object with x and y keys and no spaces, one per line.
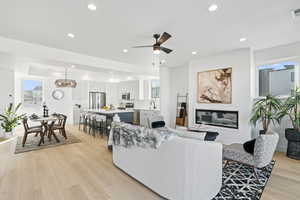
{"x":97,"y":123}
{"x":90,"y":123}
{"x":82,"y":120}
{"x":101,"y":124}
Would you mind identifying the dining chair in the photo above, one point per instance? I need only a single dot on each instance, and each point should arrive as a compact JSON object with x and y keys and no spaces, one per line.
{"x":50,"y":131}
{"x":28,"y":130}
{"x":61,"y":126}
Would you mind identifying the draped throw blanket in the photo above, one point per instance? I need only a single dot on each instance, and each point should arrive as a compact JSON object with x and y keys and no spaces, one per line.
{"x":128,"y":135}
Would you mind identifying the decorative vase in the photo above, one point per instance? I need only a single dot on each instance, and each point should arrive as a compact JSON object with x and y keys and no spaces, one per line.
{"x":293,"y":137}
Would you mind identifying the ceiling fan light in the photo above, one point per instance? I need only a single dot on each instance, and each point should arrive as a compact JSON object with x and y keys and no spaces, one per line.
{"x":156,"y":51}
{"x":92,"y":6}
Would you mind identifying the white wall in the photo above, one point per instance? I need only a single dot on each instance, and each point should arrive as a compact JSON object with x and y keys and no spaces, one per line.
{"x":278,"y":53}
{"x":179,"y":85}
{"x":6,"y":88}
{"x":165,"y":86}
{"x":80,"y":94}
{"x":289,"y":52}
{"x":64,"y":106}
{"x":240,"y":61}
{"x":131,"y":87}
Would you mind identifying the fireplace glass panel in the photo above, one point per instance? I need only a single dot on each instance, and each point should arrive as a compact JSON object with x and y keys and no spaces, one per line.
{"x":221,"y":118}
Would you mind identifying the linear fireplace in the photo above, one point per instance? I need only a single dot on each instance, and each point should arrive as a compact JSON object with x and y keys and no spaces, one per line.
{"x":222,"y":118}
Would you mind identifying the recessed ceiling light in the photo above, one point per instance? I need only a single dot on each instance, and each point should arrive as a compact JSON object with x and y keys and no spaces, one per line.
{"x":71,"y":35}
{"x":72,"y":66}
{"x":86,"y":77}
{"x":243,"y":39}
{"x":194,"y":52}
{"x":163,"y":61}
{"x":213,"y":7}
{"x":125,"y":50}
{"x":129,"y":78}
{"x":114,"y":80}
{"x":92,"y":7}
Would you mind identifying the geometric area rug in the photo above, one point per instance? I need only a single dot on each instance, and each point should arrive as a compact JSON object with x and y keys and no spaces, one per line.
{"x":32,"y":142}
{"x":239,"y":182}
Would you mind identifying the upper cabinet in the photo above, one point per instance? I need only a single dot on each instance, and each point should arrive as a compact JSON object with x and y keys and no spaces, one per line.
{"x":128,"y":90}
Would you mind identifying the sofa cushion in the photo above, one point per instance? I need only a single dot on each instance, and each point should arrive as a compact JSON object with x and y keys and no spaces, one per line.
{"x":211,"y":136}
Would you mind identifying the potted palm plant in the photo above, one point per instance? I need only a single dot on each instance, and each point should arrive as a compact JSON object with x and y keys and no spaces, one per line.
{"x":291,"y":108}
{"x":10,"y":119}
{"x":265,"y":111}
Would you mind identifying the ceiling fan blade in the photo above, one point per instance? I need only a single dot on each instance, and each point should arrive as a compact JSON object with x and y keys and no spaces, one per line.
{"x":165,"y":36}
{"x":143,"y":46}
{"x":166,"y":50}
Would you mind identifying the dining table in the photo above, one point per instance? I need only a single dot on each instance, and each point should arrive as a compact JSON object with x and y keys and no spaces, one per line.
{"x":47,"y":124}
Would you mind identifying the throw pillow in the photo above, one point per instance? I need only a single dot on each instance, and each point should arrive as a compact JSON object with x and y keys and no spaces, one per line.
{"x":249,"y":146}
{"x":158,"y":124}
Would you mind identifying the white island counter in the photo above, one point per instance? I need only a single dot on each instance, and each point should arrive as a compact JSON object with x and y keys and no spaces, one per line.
{"x":109,"y":112}
{"x":125,"y":115}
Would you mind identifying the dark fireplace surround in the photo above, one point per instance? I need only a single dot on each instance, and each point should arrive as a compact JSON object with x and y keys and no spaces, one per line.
{"x":220,"y":118}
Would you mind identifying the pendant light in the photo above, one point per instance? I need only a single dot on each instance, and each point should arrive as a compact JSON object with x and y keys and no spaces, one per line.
{"x":65,"y":83}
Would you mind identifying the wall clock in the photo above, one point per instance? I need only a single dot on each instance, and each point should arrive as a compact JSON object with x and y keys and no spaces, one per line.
{"x":58,"y":94}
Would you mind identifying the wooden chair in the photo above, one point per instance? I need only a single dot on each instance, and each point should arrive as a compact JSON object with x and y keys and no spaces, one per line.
{"x":28,"y":130}
{"x":61,"y":126}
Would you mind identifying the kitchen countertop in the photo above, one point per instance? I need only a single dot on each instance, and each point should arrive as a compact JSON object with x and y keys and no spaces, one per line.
{"x":146,"y":109}
{"x":102,"y":111}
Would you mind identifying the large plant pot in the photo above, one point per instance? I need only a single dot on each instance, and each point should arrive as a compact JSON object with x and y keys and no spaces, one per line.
{"x":293,"y":137}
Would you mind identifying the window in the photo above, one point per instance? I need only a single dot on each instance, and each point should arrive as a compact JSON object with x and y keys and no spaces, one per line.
{"x":32,"y":92}
{"x":155,"y":89}
{"x":276,"y":79}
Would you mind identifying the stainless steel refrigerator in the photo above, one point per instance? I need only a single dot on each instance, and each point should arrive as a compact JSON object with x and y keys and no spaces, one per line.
{"x":97,"y":100}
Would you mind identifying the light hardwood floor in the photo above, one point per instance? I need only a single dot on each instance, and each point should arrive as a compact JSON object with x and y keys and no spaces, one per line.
{"x":84,"y":171}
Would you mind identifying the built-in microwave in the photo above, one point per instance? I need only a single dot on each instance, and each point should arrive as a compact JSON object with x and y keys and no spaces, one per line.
{"x":126,"y":96}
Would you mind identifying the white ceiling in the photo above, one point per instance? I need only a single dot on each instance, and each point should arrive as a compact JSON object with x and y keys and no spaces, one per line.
{"x":119,"y":24}
{"x":54,"y":69}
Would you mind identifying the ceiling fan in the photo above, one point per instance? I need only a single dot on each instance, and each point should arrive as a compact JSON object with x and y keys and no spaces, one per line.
{"x":159,"y":40}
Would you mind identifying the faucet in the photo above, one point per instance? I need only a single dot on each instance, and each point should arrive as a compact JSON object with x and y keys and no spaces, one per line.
{"x":152,"y":103}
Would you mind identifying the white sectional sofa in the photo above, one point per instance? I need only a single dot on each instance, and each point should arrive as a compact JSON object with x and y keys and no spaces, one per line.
{"x":180,"y":169}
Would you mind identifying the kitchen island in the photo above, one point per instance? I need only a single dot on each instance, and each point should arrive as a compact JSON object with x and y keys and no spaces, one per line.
{"x":125,"y":115}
